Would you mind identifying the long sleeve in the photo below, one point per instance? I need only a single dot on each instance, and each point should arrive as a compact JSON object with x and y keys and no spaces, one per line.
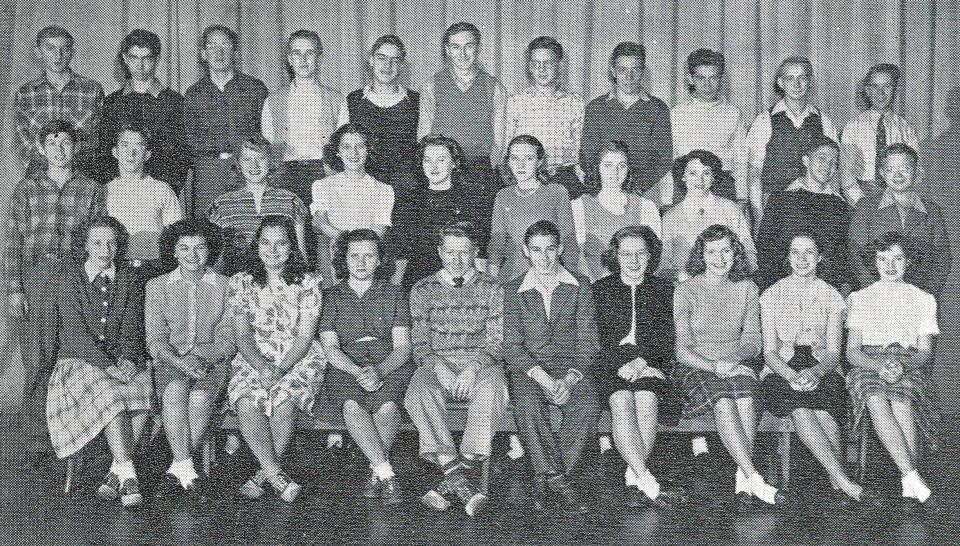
{"x":741,"y":226}
{"x":661,"y":153}
{"x":157,"y":330}
{"x":514,"y":350}
{"x":421,"y":346}
{"x":588,"y":343}
{"x":131,"y":325}
{"x":494,"y":324}
{"x":571,"y":250}
{"x":224,"y":342}
{"x":681,"y":319}
{"x":739,"y":156}
{"x":769,"y":237}
{"x":23,"y":143}
{"x":175,"y":162}
{"x":751,"y":338}
{"x":593,"y":134}
{"x":16,"y":233}
{"x":428,"y":107}
{"x":941,"y":257}
{"x":857,"y":239}
{"x":497,"y":245}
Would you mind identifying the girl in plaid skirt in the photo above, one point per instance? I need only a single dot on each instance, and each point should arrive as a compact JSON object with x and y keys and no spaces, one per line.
{"x":891,"y":326}
{"x":717,"y":318}
{"x":100,"y":381}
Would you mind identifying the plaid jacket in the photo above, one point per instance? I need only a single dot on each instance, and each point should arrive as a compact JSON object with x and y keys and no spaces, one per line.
{"x":37,"y":102}
{"x":42,"y":218}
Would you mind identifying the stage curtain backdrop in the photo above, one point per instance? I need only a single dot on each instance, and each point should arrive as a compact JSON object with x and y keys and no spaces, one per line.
{"x":842,"y":39}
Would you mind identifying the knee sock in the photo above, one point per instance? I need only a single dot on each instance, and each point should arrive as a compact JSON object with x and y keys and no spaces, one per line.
{"x":630,"y":477}
{"x":183,"y":471}
{"x":124,"y":470}
{"x":605,"y":444}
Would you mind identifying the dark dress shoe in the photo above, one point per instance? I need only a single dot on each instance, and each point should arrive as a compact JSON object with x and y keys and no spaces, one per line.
{"x":566,"y":496}
{"x":199,"y":490}
{"x":635,"y":498}
{"x":168,"y":486}
{"x":869,"y":498}
{"x":390,"y":492}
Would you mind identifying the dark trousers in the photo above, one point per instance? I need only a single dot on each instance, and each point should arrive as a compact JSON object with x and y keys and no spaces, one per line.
{"x":554,"y":452}
{"x":38,"y":347}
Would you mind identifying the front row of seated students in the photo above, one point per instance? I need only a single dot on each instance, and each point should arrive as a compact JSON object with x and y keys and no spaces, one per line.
{"x":624,"y":342}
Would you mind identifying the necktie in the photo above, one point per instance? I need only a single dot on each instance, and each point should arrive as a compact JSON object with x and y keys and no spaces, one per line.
{"x":881,"y":146}
{"x":458,"y":282}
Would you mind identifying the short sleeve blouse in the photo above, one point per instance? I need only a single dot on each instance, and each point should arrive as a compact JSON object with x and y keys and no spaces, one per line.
{"x":794,"y":307}
{"x":892,"y":312}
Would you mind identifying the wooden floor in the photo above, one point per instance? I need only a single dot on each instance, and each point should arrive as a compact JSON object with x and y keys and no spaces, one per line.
{"x":34,"y":510}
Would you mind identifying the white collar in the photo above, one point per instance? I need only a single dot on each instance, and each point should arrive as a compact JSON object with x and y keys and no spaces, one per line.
{"x":530,"y":281}
{"x":110,"y":272}
{"x":807,"y":111}
{"x":209,"y":277}
{"x":912,"y":200}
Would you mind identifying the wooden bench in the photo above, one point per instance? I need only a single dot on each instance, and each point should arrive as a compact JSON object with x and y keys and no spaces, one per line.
{"x":778,"y":470}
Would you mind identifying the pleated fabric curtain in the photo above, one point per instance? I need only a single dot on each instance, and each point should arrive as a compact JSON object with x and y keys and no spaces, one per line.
{"x":842,"y":39}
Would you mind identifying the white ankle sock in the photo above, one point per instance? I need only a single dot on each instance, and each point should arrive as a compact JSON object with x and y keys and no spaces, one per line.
{"x":699,"y":446}
{"x":630,"y":477}
{"x":383,"y":471}
{"x":741,"y":483}
{"x":516,"y":448}
{"x":605,"y":444}
{"x":913,"y":486}
{"x":124,"y":471}
{"x":762,"y":490}
{"x":184,"y":471}
{"x":443,"y":459}
{"x":334,"y":440}
{"x":649,"y":485}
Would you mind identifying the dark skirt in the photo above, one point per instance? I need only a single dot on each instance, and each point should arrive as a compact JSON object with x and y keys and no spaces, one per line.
{"x":339,"y":386}
{"x":608,"y":382}
{"x":704,"y":389}
{"x":780,"y":399}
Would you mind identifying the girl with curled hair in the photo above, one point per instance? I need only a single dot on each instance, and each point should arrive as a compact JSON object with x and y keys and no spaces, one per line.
{"x":717,"y":318}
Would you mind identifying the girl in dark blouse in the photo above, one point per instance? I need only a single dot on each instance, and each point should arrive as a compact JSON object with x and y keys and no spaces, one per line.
{"x":389,"y":112}
{"x":441,"y":199}
{"x":635,"y":326}
{"x":365,"y":331}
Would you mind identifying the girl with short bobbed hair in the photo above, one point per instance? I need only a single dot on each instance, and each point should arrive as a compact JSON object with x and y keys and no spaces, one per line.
{"x":635,"y":325}
{"x":100,"y":382}
{"x":365,"y":331}
{"x":891,"y":326}
{"x":190,"y":338}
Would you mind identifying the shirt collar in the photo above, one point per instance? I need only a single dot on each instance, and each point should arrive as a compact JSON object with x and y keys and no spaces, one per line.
{"x":798,"y":185}
{"x":110,"y":272}
{"x":530,"y":281}
{"x":691,"y":101}
{"x":807,"y":111}
{"x":913,"y":201}
{"x":42,"y":81}
{"x":155,"y":88}
{"x":446,"y":278}
{"x":534,"y":91}
{"x":209,"y":277}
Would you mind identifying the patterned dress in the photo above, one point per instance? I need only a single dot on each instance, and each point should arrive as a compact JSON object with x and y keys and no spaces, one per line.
{"x":275,"y":311}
